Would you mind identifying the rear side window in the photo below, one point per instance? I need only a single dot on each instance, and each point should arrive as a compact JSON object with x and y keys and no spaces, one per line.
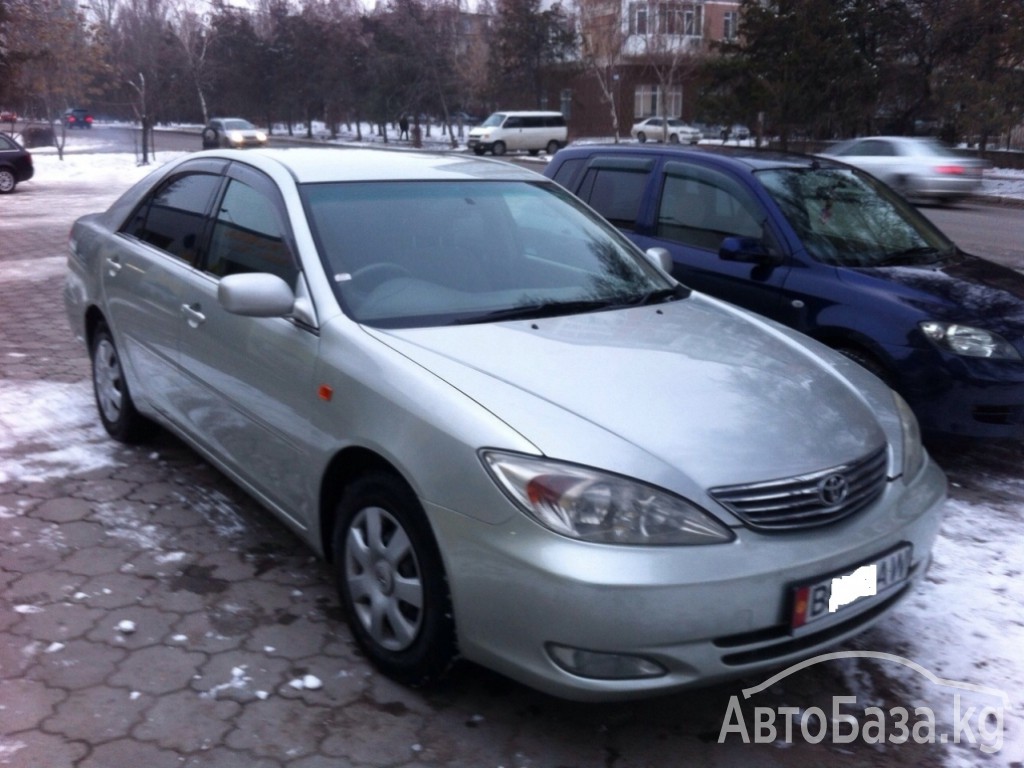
{"x":172,"y":217}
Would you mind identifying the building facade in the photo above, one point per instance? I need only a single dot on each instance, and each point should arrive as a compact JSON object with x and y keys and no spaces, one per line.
{"x":640,"y":58}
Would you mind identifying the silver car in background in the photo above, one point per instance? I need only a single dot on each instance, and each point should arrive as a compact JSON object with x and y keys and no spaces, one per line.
{"x":515,"y":438}
{"x":920,"y":169}
{"x":673,"y":130}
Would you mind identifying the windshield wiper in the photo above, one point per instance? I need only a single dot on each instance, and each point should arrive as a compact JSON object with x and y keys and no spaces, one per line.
{"x":924,"y":254}
{"x":557,"y":308}
{"x":678,"y":291}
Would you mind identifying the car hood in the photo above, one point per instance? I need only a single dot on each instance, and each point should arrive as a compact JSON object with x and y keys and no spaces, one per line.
{"x":696,"y":386}
{"x":968,"y":290}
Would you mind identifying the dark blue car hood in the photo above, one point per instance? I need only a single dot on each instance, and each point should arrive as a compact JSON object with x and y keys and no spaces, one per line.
{"x":965,"y":289}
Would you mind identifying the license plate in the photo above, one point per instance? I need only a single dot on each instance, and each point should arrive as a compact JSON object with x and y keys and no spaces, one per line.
{"x":814,"y":602}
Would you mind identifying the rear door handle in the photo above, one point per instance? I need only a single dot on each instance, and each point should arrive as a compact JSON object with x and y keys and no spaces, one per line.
{"x":114,"y":266}
{"x":193,"y":314}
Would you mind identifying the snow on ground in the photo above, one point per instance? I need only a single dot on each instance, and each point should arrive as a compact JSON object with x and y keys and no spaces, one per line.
{"x":122,"y":169}
{"x":965,"y":622}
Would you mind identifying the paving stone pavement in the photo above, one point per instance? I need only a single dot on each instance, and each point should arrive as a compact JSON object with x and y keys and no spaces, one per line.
{"x":152,"y":615}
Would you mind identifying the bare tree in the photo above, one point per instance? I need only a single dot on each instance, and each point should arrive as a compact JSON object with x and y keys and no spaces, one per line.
{"x":602,"y":45}
{"x":193,"y":33}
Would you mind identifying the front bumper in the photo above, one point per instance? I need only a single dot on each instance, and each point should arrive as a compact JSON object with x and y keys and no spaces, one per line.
{"x":957,"y":396}
{"x":703,"y":613}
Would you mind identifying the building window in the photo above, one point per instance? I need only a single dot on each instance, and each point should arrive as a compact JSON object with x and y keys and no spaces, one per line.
{"x":729,"y":30}
{"x":638,"y":18}
{"x":693,"y":21}
{"x":670,"y":18}
{"x":650,"y":100}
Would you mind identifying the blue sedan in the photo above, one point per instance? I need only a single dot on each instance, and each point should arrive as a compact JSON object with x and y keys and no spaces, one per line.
{"x":830,"y":251}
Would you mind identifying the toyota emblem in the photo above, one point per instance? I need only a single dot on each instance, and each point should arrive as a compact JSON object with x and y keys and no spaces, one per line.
{"x":833,"y":490}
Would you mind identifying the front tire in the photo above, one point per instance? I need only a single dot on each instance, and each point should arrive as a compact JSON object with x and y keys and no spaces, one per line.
{"x":113,"y":400}
{"x":499,"y":148}
{"x":867,"y":360}
{"x":391,"y":580}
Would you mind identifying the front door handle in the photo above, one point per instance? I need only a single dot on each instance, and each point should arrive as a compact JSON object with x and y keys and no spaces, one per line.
{"x":193,"y":314}
{"x":114,"y":266}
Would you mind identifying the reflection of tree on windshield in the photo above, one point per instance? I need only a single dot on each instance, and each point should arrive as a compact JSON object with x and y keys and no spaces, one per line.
{"x":843,"y":220}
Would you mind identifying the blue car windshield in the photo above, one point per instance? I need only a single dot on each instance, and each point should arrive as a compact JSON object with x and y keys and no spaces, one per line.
{"x":847,"y":218}
{"x":421,"y":253}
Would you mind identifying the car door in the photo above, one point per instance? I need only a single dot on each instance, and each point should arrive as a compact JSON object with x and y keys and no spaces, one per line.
{"x":512,"y":132}
{"x":250,"y":391}
{"x":689,"y":209}
{"x":144,"y":270}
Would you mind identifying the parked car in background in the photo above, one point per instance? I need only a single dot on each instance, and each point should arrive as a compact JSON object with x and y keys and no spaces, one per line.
{"x":77,"y":118}
{"x":7,"y":116}
{"x":736,"y":132}
{"x":531,"y":132}
{"x":464,"y":118}
{"x":921,"y":169}
{"x":232,"y":132}
{"x":513,"y":435}
{"x":15,"y":164}
{"x":672,"y":130}
{"x":834,"y":253}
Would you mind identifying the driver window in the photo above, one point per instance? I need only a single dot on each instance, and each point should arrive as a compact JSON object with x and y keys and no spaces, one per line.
{"x":701,"y":209}
{"x":248,"y":236}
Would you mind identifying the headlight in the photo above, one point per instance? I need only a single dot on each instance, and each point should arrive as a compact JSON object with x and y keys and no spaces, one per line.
{"x":594,"y":506}
{"x":968,"y":341}
{"x":235,"y":137}
{"x":913,"y":450}
{"x":261,"y":136}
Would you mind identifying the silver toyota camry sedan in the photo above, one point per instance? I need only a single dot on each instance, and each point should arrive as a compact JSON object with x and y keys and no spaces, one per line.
{"x":515,"y":438}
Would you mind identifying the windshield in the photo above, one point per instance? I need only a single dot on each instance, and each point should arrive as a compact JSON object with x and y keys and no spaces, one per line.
{"x":848,"y":219}
{"x":417,"y":253}
{"x":238,"y":125}
{"x":494,"y":121}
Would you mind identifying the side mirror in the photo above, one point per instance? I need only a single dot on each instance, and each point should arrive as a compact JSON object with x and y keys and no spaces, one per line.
{"x":748,"y":250}
{"x":256,"y":294}
{"x":661,"y":258}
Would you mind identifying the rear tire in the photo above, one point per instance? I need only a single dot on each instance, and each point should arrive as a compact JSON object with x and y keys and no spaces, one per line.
{"x":391,"y":580}
{"x":211,"y":138}
{"x":553,"y":146}
{"x":673,"y":138}
{"x":641,"y":137}
{"x":7,"y":181}
{"x":113,"y":400}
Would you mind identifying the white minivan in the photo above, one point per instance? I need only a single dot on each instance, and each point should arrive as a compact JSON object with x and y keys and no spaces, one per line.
{"x":529,"y":131}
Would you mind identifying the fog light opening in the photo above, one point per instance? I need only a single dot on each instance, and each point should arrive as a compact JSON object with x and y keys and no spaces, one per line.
{"x":604,"y":666}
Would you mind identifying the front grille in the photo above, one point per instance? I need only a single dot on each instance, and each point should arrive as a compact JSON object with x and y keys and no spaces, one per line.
{"x":810,"y":500}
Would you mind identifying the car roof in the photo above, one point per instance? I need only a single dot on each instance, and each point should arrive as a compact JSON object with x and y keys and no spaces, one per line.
{"x":741,"y":158}
{"x":526,"y":113}
{"x":311,"y":165}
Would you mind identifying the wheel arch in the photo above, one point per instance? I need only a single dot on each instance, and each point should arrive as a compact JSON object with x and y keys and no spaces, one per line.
{"x":93,"y":319}
{"x":344,"y":468}
{"x":843,"y":340}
